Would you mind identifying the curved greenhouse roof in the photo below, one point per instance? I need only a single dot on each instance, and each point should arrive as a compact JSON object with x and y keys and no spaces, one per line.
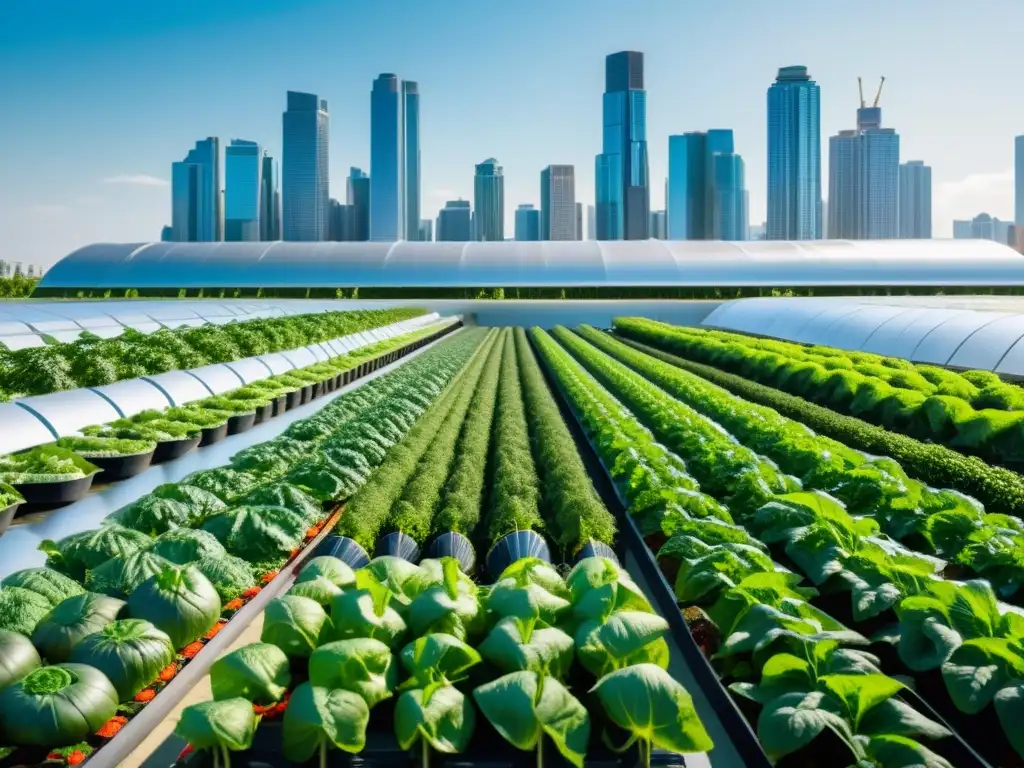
{"x":539,"y":264}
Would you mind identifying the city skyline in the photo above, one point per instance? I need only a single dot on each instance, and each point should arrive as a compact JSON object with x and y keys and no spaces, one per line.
{"x":101,"y":172}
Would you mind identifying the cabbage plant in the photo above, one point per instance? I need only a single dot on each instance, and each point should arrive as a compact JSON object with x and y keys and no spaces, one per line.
{"x":18,"y":657}
{"x":70,"y":621}
{"x":178,"y":600}
{"x":130,"y":652}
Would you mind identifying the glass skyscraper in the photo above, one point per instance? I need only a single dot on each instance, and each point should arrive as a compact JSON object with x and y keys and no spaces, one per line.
{"x":454,"y":222}
{"x":915,"y":200}
{"x":863,"y":185}
{"x":794,"y":156}
{"x":558,"y":203}
{"x":394,"y":159}
{"x":270,"y":201}
{"x":621,"y":170}
{"x":243,"y":168}
{"x":705,"y":193}
{"x":1018,"y":181}
{"x":489,"y":201}
{"x":195,"y":194}
{"x":358,"y":189}
{"x":304,"y":181}
{"x":527,"y":223}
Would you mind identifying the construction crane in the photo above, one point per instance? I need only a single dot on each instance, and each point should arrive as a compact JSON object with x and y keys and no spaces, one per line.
{"x":879,"y":94}
{"x":860,"y":90}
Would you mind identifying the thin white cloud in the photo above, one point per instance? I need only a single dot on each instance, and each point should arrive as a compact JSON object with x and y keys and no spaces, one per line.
{"x":990,"y":193}
{"x":47,"y":209}
{"x":137,"y":179}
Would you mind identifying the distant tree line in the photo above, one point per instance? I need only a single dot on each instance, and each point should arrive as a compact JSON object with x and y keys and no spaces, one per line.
{"x":17,"y":287}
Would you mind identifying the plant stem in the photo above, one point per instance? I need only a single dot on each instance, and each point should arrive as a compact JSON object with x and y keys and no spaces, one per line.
{"x":645,"y":753}
{"x":540,"y":752}
{"x":424,"y":753}
{"x":227,"y":757}
{"x":323,"y":754}
{"x":216,"y":757}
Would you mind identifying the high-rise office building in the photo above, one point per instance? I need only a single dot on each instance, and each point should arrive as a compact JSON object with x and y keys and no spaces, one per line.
{"x":863,"y":183}
{"x":426,"y":231}
{"x":394,"y":159}
{"x":558,"y":203}
{"x":984,"y":227}
{"x":270,"y":200}
{"x":591,"y":223}
{"x":358,"y":199}
{"x":243,"y":171}
{"x":579,"y":221}
{"x":1018,"y":180}
{"x":455,"y":222}
{"x":658,"y":228}
{"x":527,"y":223}
{"x":915,"y":200}
{"x":195,"y":194}
{"x":489,"y":202}
{"x":411,"y":117}
{"x":705,"y":194}
{"x":621,"y":170}
{"x":304,"y":163}
{"x":794,"y":156}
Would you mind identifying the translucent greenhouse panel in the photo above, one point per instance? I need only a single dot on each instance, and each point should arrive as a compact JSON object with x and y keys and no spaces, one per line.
{"x":852,"y":331}
{"x":250,"y":369}
{"x":987,"y":346}
{"x":218,"y":378}
{"x":22,"y":341}
{"x":939,"y":345}
{"x":276,"y":362}
{"x":67,"y":412}
{"x":180,"y":387}
{"x":299,"y":358}
{"x":818,"y":328}
{"x":21,"y":429}
{"x":134,"y":395}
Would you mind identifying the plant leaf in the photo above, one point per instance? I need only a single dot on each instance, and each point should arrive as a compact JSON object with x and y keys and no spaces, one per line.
{"x":227,"y":723}
{"x":548,"y":649}
{"x":438,"y":657}
{"x":626,"y":637}
{"x":258,"y":672}
{"x":440,"y":714}
{"x":316,"y":715}
{"x":360,"y":664}
{"x":1009,"y":704}
{"x":792,"y":721}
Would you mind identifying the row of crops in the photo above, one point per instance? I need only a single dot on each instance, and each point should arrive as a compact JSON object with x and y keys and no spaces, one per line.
{"x":466,"y":597}
{"x":92,"y":361}
{"x":63,"y":472}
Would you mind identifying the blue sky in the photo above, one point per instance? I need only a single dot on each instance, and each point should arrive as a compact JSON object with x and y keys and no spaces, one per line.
{"x":99,"y":98}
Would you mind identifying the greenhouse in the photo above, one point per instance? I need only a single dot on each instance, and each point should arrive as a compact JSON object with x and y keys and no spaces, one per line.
{"x":429,"y":521}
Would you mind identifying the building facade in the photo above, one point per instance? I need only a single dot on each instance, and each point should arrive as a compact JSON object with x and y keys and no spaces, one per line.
{"x":411,"y":151}
{"x":558,"y":203}
{"x":196,"y":213}
{"x":863,"y":184}
{"x":489,"y":201}
{"x":387,"y":159}
{"x":794,"y":156}
{"x":579,"y":221}
{"x":915,"y":207}
{"x":705,"y":194}
{"x":243,"y":172}
{"x":591,"y":223}
{"x":270,"y":200}
{"x":358,"y":199}
{"x":426,"y":231}
{"x":984,"y":227}
{"x":1018,"y":180}
{"x":658,"y":227}
{"x":305,"y":196}
{"x":623,"y":199}
{"x":527,"y":223}
{"x":454,"y":222}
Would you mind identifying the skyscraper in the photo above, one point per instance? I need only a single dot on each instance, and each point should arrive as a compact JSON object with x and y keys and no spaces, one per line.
{"x":794,"y":156}
{"x":339,"y":221}
{"x":358,"y":199}
{"x":270,"y":201}
{"x":863,"y":184}
{"x":983,"y":227}
{"x":426,"y":231}
{"x":621,"y":170}
{"x":915,"y":200}
{"x":657,"y":226}
{"x":454,"y":222}
{"x":558,"y":203}
{"x":579,"y":221}
{"x":394,"y":159}
{"x":243,"y":169}
{"x":705,"y":196}
{"x":195,"y":194}
{"x":304,"y":182}
{"x":527,"y":223}
{"x":489,"y":201}
{"x":411,"y":116}
{"x":591,"y":223}
{"x":1018,"y":180}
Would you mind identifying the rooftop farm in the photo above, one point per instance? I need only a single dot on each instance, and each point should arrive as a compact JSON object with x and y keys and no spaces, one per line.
{"x":448,"y":563}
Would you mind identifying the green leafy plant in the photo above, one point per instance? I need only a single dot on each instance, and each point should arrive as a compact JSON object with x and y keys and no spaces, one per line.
{"x":81,"y":552}
{"x":330,"y":568}
{"x":452,"y":607}
{"x":221,"y":727}
{"x":71,"y":620}
{"x":295,"y":624}
{"x":362,"y":665}
{"x":119,"y":576}
{"x":21,"y":610}
{"x":44,"y":464}
{"x":516,"y":644}
{"x":179,"y":601}
{"x":130,"y":652}
{"x":18,"y":657}
{"x":367,"y":613}
{"x":317,"y":719}
{"x":51,"y":584}
{"x":258,"y":672}
{"x":623,"y":639}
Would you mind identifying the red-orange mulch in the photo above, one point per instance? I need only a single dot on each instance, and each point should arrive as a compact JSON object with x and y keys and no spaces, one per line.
{"x":146,"y":694}
{"x":167,"y":673}
{"x":112,"y":726}
{"x":234,"y":605}
{"x":190,"y":650}
{"x":273,"y":710}
{"x":269,"y":576}
{"x":73,"y":755}
{"x":252,"y":592}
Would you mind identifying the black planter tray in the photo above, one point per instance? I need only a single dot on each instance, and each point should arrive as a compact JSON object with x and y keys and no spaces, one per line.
{"x":293,"y":399}
{"x":121,"y":467}
{"x":265,"y":412}
{"x":6,"y":516}
{"x":213,"y":435}
{"x":168,"y":450}
{"x":40,"y":496}
{"x":241,"y":422}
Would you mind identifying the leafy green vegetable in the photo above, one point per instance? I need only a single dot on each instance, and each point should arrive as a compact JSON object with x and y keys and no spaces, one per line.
{"x":130,"y":652}
{"x":44,"y":464}
{"x":520,"y":645}
{"x":525,"y":706}
{"x":360,"y":664}
{"x":81,"y":552}
{"x":230,"y":575}
{"x":317,"y":718}
{"x":598,"y":587}
{"x":184,"y":545}
{"x":258,"y":534}
{"x":219,"y":726}
{"x":527,"y":601}
{"x":437,"y":658}
{"x":9,"y":496}
{"x":258,"y":672}
{"x":201,"y":504}
{"x":56,"y":706}
{"x":51,"y":584}
{"x":295,"y":624}
{"x":180,"y":601}
{"x":625,"y":638}
{"x":320,"y":589}
{"x":119,"y":576}
{"x":330,"y":568}
{"x":153,"y":515}
{"x":367,"y":613}
{"x":441,"y":715}
{"x":21,"y":610}
{"x":285,"y":495}
{"x":452,"y":607}
{"x":654,"y":708}
{"x":71,"y":620}
{"x":105,"y":447}
{"x":18,"y":657}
